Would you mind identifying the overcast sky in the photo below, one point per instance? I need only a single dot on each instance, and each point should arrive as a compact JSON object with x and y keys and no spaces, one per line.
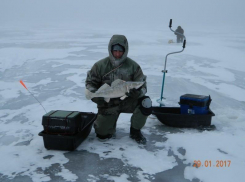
{"x":126,"y":12}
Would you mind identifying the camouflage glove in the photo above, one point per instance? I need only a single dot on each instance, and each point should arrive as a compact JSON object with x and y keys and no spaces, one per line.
{"x":99,"y":100}
{"x":134,"y":93}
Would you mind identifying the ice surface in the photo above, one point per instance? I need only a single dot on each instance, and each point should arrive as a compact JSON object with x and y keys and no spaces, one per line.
{"x":52,"y":54}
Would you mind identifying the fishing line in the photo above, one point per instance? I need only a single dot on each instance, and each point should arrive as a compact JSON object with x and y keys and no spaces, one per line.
{"x":22,"y":83}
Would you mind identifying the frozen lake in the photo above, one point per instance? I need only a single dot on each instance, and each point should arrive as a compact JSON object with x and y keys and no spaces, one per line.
{"x":53,"y":63}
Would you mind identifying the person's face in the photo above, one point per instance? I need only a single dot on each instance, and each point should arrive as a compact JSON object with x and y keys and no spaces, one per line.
{"x":117,"y":54}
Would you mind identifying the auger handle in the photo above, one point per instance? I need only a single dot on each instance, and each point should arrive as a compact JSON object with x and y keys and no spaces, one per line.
{"x":170,"y":23}
{"x":184,"y":44}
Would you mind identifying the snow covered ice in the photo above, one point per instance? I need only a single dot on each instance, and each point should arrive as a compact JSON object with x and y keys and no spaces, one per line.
{"x":53,"y":59}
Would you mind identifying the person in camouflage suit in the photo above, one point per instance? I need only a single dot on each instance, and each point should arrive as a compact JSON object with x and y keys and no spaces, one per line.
{"x":179,"y":37}
{"x":117,"y":66}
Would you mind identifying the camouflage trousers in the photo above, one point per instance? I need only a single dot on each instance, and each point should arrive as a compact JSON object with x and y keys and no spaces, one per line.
{"x":180,"y":39}
{"x":107,"y":117}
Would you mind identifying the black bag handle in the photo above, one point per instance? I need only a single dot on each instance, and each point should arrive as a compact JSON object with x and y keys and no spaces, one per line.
{"x":209,"y":101}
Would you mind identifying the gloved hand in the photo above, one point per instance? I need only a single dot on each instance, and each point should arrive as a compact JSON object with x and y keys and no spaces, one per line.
{"x":134,"y":93}
{"x":99,"y":100}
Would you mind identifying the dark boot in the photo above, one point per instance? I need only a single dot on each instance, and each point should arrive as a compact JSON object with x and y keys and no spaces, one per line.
{"x":103,"y":137}
{"x":137,"y":136}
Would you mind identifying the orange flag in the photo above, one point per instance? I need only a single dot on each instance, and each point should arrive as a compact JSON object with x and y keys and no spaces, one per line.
{"x":22,"y":83}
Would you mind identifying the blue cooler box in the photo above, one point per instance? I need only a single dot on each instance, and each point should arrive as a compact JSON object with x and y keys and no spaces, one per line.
{"x":194,"y":104}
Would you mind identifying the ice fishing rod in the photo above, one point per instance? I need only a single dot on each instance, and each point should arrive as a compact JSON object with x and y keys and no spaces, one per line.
{"x":22,"y":83}
{"x":165,"y":71}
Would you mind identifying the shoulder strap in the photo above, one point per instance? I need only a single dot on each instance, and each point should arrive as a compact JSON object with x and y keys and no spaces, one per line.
{"x":112,"y":70}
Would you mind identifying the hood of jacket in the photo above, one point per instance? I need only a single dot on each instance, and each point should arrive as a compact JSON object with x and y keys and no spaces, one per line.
{"x":121,"y":40}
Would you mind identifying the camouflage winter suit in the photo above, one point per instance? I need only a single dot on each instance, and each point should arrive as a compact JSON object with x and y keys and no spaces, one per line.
{"x":179,"y":37}
{"x":129,"y":70}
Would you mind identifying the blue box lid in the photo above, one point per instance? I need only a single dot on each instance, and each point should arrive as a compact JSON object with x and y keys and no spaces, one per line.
{"x":195,"y":100}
